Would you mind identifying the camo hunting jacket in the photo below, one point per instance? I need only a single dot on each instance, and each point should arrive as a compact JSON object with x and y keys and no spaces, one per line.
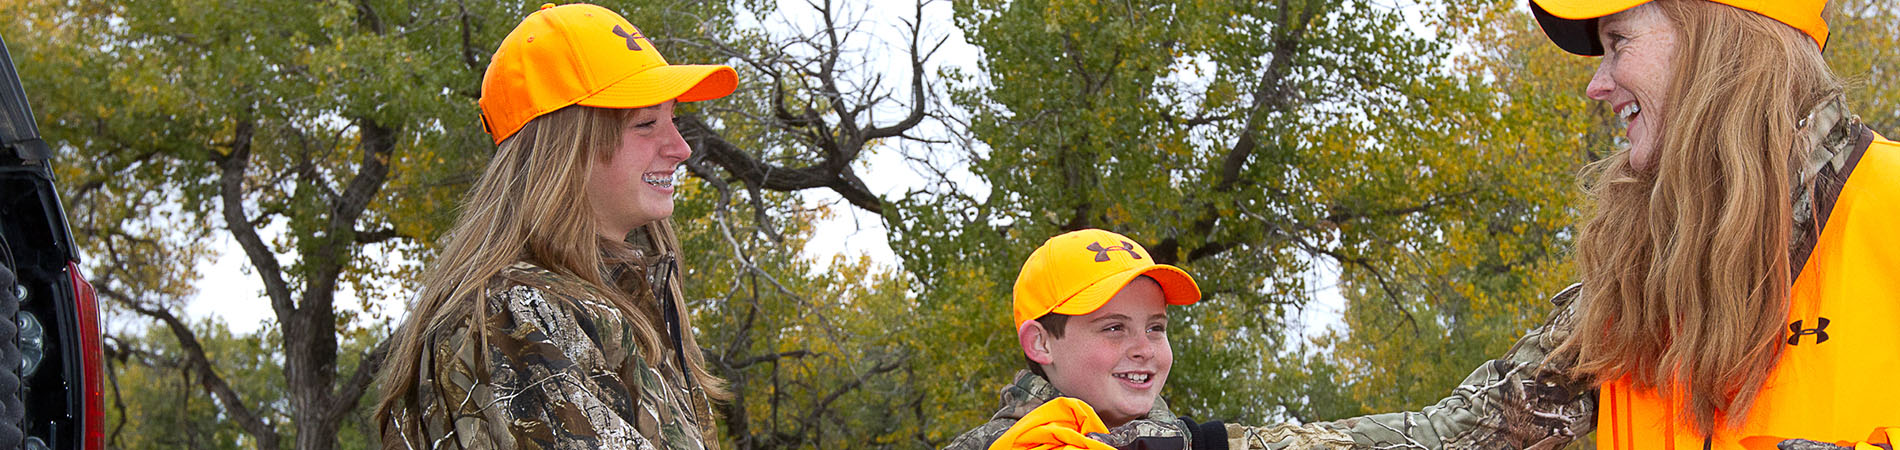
{"x":1161,"y":429}
{"x":1512,"y":402}
{"x":558,"y":372}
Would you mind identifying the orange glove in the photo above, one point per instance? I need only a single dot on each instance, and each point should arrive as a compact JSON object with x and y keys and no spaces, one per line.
{"x":1059,"y":424}
{"x":1883,"y":439}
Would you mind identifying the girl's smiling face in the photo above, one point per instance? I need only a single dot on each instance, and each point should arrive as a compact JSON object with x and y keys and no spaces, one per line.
{"x":634,"y":186}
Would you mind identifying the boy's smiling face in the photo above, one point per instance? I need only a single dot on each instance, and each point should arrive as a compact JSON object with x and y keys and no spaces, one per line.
{"x":1115,"y":358}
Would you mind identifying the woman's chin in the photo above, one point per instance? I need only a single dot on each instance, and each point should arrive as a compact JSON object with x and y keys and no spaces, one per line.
{"x":1642,"y":156}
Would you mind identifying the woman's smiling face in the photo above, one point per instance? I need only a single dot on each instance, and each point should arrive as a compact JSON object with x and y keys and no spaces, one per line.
{"x":1639,"y":48}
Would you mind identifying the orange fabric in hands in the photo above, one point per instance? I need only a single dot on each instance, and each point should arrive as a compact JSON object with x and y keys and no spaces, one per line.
{"x":1883,"y":439}
{"x":1060,"y":424}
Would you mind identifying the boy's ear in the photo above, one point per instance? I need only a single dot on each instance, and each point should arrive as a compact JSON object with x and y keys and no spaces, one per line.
{"x":1035,"y":341}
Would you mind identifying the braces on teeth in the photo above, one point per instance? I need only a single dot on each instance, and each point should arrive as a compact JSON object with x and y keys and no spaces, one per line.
{"x":658,"y":180}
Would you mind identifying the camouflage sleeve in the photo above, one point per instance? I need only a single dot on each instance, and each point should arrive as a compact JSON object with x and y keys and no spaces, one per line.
{"x":981,"y":437}
{"x":1501,"y":405}
{"x":544,"y":384}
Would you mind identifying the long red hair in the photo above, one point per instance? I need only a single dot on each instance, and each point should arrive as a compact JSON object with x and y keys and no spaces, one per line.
{"x":1685,"y":268}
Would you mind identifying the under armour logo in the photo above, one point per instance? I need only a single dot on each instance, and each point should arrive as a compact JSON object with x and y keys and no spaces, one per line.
{"x":1819,"y":332}
{"x":633,"y":40}
{"x":1101,"y":253}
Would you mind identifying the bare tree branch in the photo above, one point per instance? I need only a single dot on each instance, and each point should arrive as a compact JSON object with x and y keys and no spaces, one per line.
{"x":379,"y":235}
{"x":836,"y":139}
{"x":709,"y":147}
{"x":769,"y":357}
{"x":352,"y":390}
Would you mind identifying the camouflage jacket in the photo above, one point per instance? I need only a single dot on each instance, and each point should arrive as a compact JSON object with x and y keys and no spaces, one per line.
{"x":1161,"y":429}
{"x":557,"y":372}
{"x":1513,"y":402}
{"x":1519,"y":402}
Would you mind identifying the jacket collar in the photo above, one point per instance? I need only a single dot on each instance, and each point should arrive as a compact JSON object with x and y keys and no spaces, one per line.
{"x":1830,"y":132}
{"x":1833,"y":140}
{"x":1030,"y":391}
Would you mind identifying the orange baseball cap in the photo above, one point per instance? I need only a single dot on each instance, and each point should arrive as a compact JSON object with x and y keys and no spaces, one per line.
{"x":1076,"y":272}
{"x":1572,"y":24}
{"x":580,"y":54}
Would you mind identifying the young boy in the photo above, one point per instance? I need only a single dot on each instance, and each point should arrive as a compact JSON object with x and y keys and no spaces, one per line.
{"x":1091,"y":316}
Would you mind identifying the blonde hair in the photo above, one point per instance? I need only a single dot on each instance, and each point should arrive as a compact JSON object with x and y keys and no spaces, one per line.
{"x":1686,"y":270}
{"x":523,"y":209}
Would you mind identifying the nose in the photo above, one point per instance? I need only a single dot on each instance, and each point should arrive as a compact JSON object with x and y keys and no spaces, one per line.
{"x":1141,"y":349}
{"x":674,"y":146}
{"x":1601,"y":84}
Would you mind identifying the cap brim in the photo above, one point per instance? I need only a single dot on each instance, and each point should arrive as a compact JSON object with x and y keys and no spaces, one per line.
{"x":1572,"y":24}
{"x":1177,"y":288}
{"x":686,"y":83}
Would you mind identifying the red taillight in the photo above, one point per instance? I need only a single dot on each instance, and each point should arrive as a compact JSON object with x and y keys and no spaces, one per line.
{"x":92,"y":366}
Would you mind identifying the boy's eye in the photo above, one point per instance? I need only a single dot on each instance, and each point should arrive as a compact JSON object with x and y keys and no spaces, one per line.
{"x":646,"y":124}
{"x":1158,"y":329}
{"x":1114,"y":327}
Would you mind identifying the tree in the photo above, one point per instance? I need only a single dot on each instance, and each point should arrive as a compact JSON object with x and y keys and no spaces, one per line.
{"x":156,"y":400}
{"x":817,"y":358}
{"x":1487,"y":276}
{"x":315,"y":134}
{"x":1242,"y":140}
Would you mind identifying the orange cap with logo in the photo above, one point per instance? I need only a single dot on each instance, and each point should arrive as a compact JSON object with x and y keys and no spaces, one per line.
{"x":1572,"y":24}
{"x":1076,"y":272}
{"x":580,"y":54}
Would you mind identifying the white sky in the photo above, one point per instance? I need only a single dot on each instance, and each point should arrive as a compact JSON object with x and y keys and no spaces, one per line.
{"x":232,"y":292}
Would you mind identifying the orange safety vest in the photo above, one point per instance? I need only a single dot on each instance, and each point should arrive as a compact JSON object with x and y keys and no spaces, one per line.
{"x":1838,"y":379}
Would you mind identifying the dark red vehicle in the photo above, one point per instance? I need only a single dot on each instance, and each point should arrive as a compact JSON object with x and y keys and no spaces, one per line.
{"x":52,"y":377}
